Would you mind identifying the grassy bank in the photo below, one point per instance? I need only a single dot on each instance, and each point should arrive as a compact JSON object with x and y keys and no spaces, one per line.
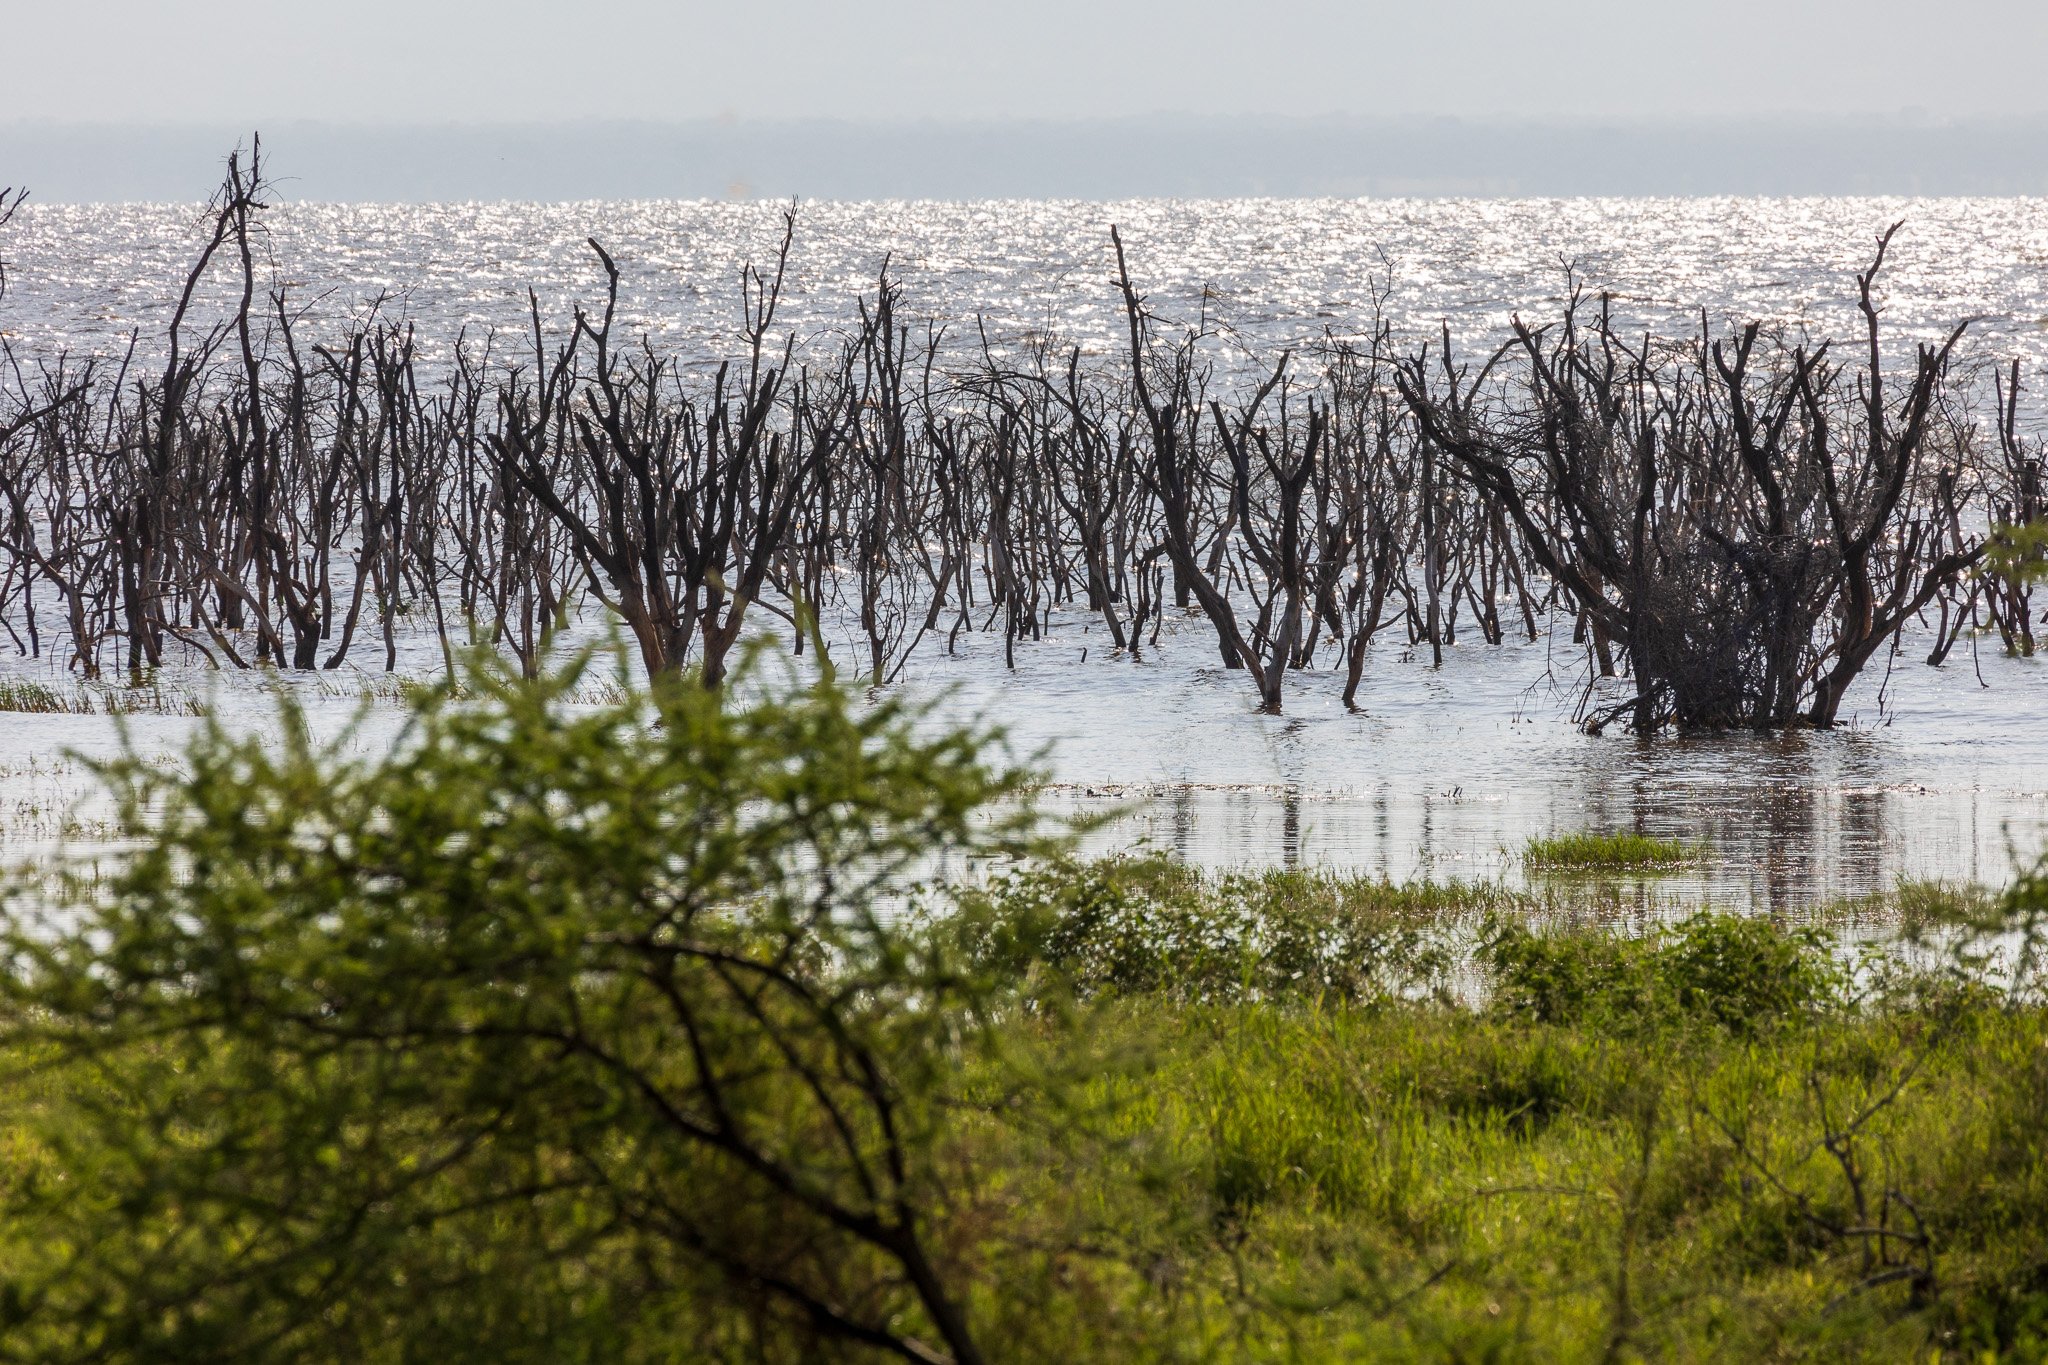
{"x":1724,"y":1140}
{"x":1245,"y":1119}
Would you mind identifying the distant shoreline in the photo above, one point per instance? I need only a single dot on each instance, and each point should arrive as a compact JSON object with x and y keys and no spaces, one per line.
{"x":1158,"y":156}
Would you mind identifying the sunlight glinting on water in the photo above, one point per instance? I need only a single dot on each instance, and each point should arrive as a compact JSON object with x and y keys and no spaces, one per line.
{"x":1271,"y":272}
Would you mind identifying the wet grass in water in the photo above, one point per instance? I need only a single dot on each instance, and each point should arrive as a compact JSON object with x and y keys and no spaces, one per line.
{"x":34,"y":698}
{"x":1584,"y":851}
{"x":150,"y":698}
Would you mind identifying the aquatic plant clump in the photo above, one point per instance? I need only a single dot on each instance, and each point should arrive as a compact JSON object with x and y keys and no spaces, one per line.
{"x":1625,"y":851}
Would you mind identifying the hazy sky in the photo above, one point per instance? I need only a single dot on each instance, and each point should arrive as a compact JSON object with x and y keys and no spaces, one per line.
{"x":490,"y":61}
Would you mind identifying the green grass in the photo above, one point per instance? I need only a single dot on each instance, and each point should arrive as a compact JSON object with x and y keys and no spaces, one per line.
{"x":1264,"y":1181}
{"x":1585,"y":851}
{"x":1620,"y":1146}
{"x":1238,"y":1118}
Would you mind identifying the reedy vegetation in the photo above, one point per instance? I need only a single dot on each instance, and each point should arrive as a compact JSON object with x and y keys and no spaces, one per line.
{"x":1740,"y":522}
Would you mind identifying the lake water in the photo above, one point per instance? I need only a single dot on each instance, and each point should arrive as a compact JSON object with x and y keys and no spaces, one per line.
{"x":1441,"y":772}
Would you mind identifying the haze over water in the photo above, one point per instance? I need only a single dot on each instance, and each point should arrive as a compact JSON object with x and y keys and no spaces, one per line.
{"x":1444,"y":773}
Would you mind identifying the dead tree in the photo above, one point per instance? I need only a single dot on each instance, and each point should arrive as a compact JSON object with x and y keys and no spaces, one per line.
{"x":1170,"y":400}
{"x":2020,"y":500}
{"x":1748,"y":547}
{"x":11,"y":199}
{"x":1374,"y":508}
{"x":1272,"y":466}
{"x":1889,"y":489}
{"x":686,"y":498}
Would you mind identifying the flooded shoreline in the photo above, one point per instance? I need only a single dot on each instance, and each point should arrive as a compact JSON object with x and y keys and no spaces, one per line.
{"x":1441,"y":774}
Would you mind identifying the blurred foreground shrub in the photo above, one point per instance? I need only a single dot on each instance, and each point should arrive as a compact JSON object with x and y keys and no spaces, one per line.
{"x":525,"y":1038}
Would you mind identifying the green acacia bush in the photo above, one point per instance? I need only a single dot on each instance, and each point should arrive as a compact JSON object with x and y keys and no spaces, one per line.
{"x":1736,"y":972}
{"x":529,"y":1037}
